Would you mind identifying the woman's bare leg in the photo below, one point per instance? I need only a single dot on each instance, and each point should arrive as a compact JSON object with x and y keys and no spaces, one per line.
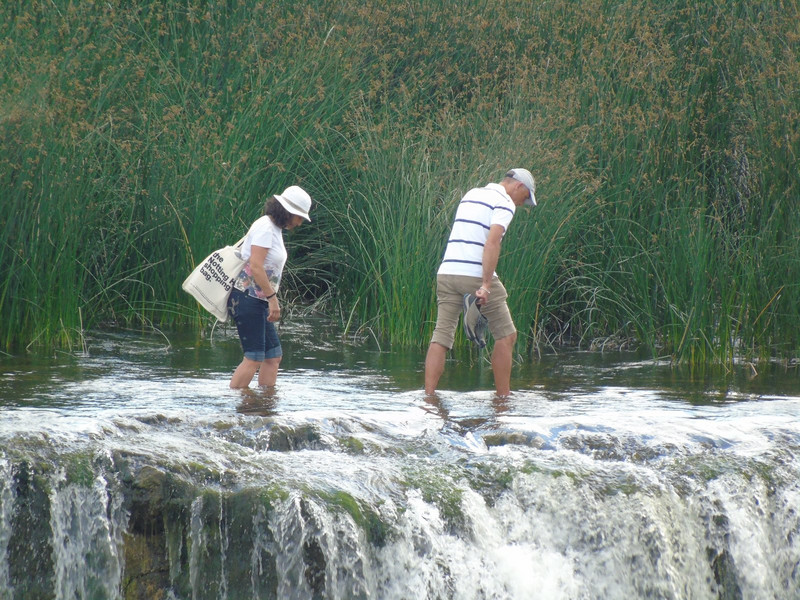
{"x":268,"y":373}
{"x":243,"y":374}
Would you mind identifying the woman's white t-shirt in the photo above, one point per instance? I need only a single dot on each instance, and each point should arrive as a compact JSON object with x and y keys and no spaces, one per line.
{"x":266,"y":234}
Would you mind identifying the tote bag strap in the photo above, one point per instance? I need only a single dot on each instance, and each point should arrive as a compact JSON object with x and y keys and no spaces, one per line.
{"x":238,"y":245}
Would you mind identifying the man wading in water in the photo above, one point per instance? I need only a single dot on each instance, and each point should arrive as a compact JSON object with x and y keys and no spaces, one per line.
{"x":473,"y":249}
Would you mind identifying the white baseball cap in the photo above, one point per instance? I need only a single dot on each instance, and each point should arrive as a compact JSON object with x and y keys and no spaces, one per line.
{"x":296,"y":201}
{"x":524,"y":176}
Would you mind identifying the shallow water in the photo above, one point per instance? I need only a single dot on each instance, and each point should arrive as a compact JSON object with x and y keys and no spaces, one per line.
{"x":603,"y":476}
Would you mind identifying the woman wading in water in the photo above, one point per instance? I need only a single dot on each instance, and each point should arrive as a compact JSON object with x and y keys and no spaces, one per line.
{"x":254,"y":303}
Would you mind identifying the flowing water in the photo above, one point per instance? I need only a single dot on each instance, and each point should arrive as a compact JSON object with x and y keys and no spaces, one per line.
{"x":132,"y":471}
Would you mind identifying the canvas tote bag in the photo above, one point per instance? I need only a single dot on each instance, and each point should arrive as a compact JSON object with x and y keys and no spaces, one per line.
{"x":211,"y":281}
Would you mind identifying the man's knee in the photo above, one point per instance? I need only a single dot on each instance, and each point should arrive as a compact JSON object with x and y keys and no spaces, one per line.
{"x":508,"y":340}
{"x":436,"y":353}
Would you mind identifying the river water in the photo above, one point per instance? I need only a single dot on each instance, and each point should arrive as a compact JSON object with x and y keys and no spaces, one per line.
{"x":132,"y":471}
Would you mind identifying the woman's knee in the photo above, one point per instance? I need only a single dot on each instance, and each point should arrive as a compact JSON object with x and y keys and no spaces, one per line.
{"x":273,"y":361}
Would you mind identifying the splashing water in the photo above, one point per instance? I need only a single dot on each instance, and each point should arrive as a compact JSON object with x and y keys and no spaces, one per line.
{"x":136,"y":472}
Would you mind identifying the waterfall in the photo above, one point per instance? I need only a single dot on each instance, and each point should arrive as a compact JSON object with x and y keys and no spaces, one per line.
{"x":6,"y":516}
{"x":333,"y":489}
{"x":87,"y":523}
{"x":538,"y":526}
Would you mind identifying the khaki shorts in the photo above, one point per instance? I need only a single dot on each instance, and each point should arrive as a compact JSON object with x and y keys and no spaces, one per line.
{"x":450,"y":290}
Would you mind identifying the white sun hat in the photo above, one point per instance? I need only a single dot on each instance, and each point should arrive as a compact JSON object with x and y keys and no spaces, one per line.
{"x":296,"y":201}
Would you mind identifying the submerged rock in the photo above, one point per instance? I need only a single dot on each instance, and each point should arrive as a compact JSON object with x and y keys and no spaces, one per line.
{"x":284,"y":439}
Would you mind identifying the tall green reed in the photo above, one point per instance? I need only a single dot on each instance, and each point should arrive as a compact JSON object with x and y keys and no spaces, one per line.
{"x":138,"y":138}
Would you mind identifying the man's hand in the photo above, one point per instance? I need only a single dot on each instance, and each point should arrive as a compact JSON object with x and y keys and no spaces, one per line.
{"x":482,"y":294}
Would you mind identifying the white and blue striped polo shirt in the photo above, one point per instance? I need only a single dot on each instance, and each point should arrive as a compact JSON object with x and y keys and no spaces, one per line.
{"x":479,"y":209}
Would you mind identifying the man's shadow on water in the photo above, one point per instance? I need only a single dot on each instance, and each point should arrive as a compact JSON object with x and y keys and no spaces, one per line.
{"x":433,"y":405}
{"x":261,"y":401}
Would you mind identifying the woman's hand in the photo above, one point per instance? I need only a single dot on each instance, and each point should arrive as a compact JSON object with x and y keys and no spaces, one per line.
{"x":274,"y":309}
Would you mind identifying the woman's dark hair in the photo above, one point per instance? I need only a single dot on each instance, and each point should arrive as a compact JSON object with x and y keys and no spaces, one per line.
{"x":275,"y":211}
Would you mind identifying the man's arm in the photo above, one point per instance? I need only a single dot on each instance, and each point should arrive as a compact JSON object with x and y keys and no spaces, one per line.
{"x":491,"y":254}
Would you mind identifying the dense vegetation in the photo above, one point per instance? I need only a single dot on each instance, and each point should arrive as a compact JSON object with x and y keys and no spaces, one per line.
{"x":137,"y":137}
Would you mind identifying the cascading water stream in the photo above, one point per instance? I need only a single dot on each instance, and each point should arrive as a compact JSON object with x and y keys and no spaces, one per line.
{"x":132,"y":477}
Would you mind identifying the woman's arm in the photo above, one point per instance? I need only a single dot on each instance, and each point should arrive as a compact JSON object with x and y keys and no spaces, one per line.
{"x":258,"y":255}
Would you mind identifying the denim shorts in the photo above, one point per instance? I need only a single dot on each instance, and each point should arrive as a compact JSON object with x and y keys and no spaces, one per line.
{"x":258,"y":336}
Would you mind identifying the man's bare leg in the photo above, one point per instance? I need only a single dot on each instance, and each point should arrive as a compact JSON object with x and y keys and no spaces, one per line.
{"x":434,"y":366}
{"x":501,"y":364}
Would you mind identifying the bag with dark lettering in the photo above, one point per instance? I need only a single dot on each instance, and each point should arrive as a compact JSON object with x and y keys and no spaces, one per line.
{"x":211,"y":281}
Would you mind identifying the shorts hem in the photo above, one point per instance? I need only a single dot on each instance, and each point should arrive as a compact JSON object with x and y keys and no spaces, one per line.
{"x":262,"y":356}
{"x":447,"y":344}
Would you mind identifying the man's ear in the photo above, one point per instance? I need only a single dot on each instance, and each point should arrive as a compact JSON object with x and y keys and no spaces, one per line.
{"x":521,"y":188}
